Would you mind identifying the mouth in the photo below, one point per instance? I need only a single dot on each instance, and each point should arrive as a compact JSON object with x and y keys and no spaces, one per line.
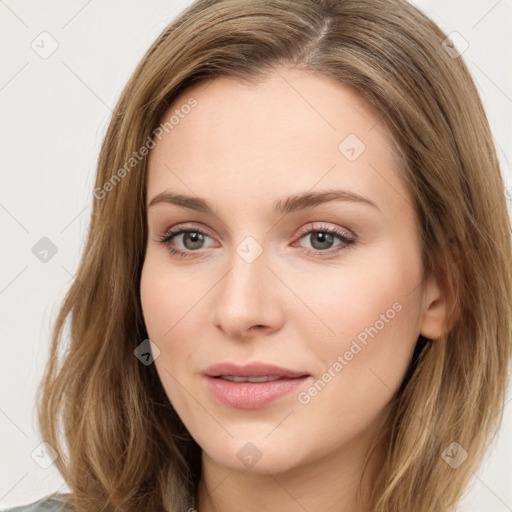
{"x":252,"y":386}
{"x":238,"y":378}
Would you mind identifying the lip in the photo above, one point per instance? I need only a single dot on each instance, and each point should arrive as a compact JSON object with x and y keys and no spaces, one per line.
{"x":251,"y":370}
{"x":252,"y":395}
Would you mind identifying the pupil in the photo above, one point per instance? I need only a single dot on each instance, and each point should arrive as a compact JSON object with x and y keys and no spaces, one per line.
{"x":195,"y":238}
{"x":325,"y":239}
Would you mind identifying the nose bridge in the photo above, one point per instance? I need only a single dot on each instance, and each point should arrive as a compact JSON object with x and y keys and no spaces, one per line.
{"x":246,"y":294}
{"x":246,"y":281}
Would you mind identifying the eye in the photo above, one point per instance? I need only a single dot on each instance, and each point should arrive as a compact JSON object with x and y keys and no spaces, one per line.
{"x":191,"y":239}
{"x":322,"y":238}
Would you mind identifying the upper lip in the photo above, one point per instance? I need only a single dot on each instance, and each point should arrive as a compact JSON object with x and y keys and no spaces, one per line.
{"x":251,"y":370}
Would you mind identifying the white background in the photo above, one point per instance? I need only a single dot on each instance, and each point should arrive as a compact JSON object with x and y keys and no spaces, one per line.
{"x":54,"y":113}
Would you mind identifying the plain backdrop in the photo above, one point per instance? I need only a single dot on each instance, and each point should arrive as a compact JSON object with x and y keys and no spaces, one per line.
{"x":54,"y":111}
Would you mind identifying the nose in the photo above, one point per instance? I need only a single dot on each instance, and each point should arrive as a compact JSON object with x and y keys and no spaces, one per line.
{"x":247,"y":299}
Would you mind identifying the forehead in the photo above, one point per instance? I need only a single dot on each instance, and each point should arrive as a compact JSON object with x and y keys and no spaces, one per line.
{"x":285,"y":133}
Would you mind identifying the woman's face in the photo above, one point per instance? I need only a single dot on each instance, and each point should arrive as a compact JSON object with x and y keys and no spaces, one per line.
{"x":301,"y":252}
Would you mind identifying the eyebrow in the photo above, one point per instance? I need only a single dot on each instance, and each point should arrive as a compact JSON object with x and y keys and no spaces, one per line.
{"x":289,"y":205}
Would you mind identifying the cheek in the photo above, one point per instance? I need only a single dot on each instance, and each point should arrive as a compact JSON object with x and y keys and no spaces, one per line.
{"x":170,"y":302}
{"x":374,"y":314}
{"x":169,"y":298}
{"x":372,"y":298}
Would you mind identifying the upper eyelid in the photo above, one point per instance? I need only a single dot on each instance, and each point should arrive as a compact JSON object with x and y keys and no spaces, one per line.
{"x":303,"y":231}
{"x":324,"y":226}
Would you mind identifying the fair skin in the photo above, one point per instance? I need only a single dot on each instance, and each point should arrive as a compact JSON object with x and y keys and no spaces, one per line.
{"x":300,"y":303}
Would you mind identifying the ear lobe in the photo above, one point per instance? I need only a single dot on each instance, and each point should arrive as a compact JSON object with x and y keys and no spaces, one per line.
{"x":439,"y":313}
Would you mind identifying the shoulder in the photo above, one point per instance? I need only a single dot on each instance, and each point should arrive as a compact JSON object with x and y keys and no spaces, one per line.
{"x":53,"y":503}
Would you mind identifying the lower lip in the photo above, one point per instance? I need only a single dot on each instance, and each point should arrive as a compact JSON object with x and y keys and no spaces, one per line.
{"x":252,"y":395}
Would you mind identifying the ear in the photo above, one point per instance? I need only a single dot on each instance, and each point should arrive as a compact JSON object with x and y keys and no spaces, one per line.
{"x":439,"y":315}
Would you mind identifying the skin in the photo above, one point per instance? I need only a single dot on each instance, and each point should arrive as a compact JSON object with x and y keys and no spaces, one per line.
{"x":242,"y":148}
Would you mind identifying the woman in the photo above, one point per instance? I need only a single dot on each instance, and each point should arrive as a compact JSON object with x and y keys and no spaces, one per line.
{"x":296,"y":288}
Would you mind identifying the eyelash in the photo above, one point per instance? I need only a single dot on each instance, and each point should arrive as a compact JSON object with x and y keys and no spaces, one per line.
{"x":167,"y":238}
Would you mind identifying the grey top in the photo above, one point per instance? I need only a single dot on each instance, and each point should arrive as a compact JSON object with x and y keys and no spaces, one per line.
{"x":55,"y":503}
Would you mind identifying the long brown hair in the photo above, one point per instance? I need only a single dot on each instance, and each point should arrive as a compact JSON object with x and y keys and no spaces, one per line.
{"x":127,"y":450}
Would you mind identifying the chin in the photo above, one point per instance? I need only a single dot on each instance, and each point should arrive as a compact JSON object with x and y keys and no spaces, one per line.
{"x":254,"y":458}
